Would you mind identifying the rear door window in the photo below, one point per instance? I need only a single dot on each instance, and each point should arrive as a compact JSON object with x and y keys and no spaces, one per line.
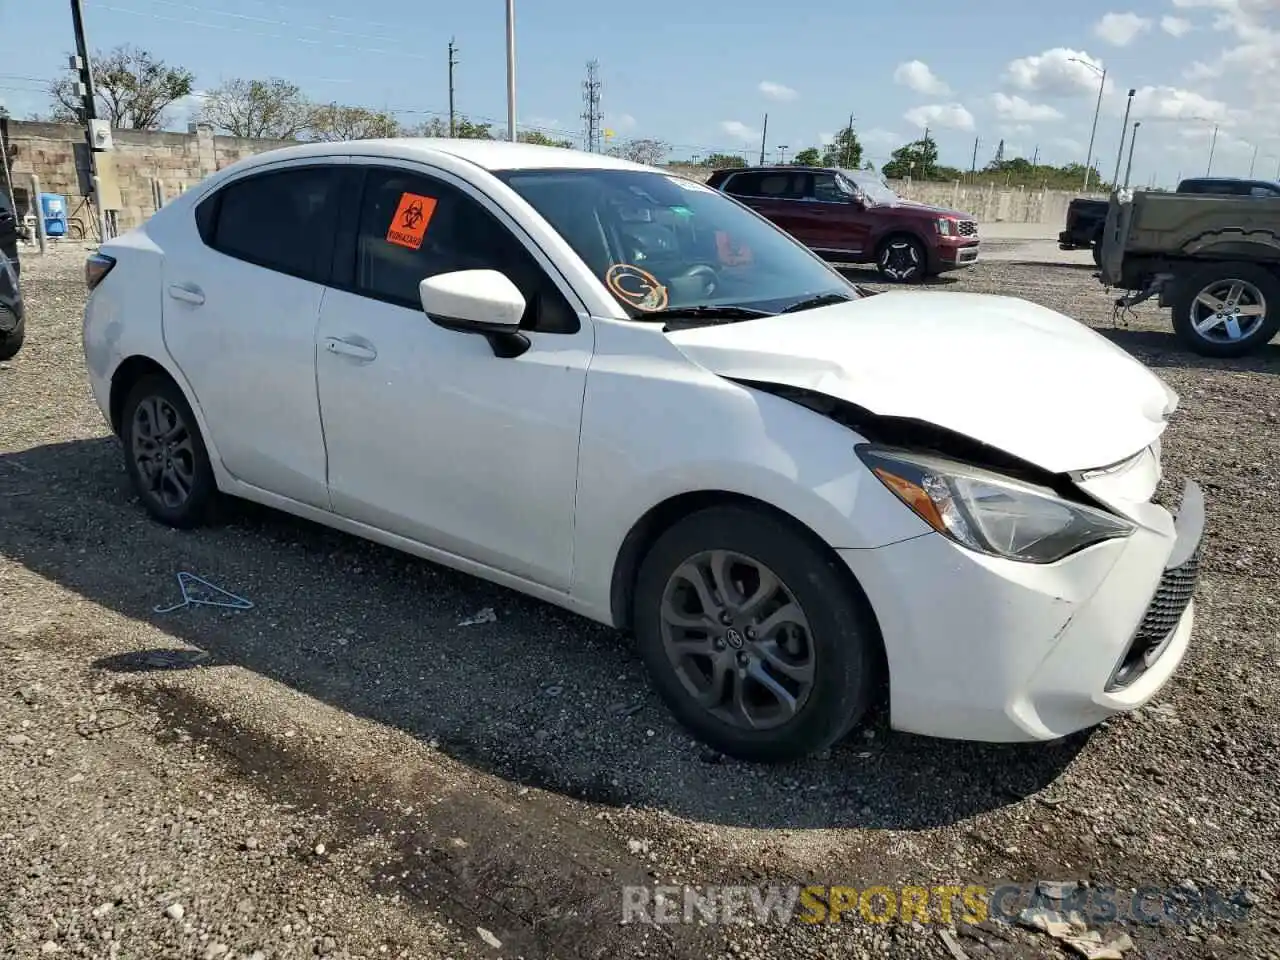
{"x":283,"y":220}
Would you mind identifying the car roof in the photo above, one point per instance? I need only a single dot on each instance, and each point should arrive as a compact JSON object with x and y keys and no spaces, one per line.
{"x":491,"y":155}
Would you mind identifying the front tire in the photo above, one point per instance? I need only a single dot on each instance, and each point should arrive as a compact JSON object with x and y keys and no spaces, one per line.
{"x":1227,"y":309}
{"x":902,"y":260}
{"x":11,"y":343}
{"x":752,"y":635}
{"x":165,"y":455}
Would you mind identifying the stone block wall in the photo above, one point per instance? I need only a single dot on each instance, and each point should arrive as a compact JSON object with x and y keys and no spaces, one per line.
{"x":176,"y":161}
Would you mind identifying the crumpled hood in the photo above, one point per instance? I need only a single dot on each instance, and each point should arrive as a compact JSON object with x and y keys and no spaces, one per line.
{"x":1009,"y":373}
{"x":913,"y":206}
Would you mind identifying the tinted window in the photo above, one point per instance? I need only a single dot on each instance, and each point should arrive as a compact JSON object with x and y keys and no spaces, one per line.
{"x":826,"y":188}
{"x":744,"y":185}
{"x":282,"y":220}
{"x":1264,"y":192}
{"x":413,"y":227}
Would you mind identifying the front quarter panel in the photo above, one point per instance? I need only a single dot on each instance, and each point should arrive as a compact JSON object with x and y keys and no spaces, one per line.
{"x":656,"y":426}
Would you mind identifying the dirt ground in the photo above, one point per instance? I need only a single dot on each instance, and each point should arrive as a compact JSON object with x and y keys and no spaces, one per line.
{"x":348,"y":770}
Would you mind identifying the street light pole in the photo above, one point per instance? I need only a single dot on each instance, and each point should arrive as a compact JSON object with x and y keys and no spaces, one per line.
{"x":1213,"y":145}
{"x":511,"y":70}
{"x":1254,"y":161}
{"x":1115,"y":178}
{"x":1102,"y":86}
{"x":1133,"y":138}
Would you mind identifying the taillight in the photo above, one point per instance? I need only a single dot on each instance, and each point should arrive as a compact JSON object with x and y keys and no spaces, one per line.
{"x":96,"y":268}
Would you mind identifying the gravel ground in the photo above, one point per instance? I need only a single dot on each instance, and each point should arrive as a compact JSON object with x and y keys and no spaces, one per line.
{"x":346,"y":770}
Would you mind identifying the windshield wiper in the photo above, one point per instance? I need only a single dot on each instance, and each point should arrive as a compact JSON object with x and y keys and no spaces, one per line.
{"x":821,"y":300}
{"x":699,"y":315}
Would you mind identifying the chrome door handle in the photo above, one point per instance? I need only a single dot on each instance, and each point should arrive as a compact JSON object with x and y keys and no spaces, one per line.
{"x":186,"y":292}
{"x":345,"y":348}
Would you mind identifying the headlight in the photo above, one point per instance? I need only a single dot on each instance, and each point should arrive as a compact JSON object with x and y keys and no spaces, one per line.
{"x":946,"y":227}
{"x":990,"y":513}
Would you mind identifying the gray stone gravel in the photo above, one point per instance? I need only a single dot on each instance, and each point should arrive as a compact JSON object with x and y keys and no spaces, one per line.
{"x":346,"y":771}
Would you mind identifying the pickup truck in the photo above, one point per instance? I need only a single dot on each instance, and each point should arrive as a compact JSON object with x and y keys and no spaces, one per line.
{"x":1087,"y":218}
{"x":12,"y":324}
{"x":1213,"y":259}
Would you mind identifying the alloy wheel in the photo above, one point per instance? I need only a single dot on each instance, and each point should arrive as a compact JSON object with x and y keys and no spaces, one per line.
{"x":1228,"y":310}
{"x":900,"y":260}
{"x":738,"y":639}
{"x":164,"y":452}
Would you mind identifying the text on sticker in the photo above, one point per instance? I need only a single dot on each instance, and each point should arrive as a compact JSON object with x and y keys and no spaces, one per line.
{"x":409,"y":225}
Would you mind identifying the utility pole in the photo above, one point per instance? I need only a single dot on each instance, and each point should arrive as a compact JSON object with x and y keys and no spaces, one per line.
{"x":453,"y":62}
{"x":764,"y":132}
{"x":511,"y":70}
{"x":924,"y":155}
{"x":1133,"y":138}
{"x":591,"y":106}
{"x":1035,"y":157}
{"x":846,"y":151}
{"x":1254,"y":161}
{"x":973,"y":166}
{"x":1213,"y":145}
{"x":90,"y":114}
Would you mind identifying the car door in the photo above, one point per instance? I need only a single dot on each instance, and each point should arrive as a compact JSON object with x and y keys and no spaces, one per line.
{"x":242,"y":286}
{"x":772,"y":194}
{"x":846,"y":225}
{"x":430,"y":435}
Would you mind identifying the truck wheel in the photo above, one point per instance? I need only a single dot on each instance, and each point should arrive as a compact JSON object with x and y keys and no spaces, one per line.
{"x":1227,"y":309}
{"x":1097,"y":250}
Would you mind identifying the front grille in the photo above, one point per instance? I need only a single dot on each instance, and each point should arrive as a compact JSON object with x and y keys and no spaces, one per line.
{"x":968,"y":228}
{"x":1176,"y":588}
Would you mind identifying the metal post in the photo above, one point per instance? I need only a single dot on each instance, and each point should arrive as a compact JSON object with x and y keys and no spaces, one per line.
{"x":1133,"y":138}
{"x":1123,"y":131}
{"x":1088,"y":161}
{"x":35,"y":204}
{"x":511,"y":70}
{"x":1213,"y":145}
{"x":763,"y":133}
{"x":1254,"y":161}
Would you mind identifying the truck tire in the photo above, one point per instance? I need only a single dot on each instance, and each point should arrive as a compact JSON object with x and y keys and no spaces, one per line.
{"x":1097,"y":249}
{"x":1227,"y":309}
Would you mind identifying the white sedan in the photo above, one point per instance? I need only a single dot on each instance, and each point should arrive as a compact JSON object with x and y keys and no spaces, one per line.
{"x":624,"y":393}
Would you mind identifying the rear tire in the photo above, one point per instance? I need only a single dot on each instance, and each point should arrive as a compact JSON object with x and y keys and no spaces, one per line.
{"x":165,"y":455}
{"x":1097,"y":250}
{"x":902,"y":259}
{"x":1227,"y":309}
{"x":11,"y":343}
{"x":784,"y":661}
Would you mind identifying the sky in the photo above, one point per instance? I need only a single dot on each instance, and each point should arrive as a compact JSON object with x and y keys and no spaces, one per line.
{"x":702,"y":76}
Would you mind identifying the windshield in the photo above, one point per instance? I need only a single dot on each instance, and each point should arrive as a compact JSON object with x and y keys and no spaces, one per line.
{"x":875,"y":189}
{"x":664,"y":243}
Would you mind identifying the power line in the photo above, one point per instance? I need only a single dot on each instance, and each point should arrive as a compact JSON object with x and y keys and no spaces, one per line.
{"x":257,"y":33}
{"x":274,"y":23}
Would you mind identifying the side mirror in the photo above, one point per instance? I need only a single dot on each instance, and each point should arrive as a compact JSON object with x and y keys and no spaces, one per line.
{"x":485,"y":302}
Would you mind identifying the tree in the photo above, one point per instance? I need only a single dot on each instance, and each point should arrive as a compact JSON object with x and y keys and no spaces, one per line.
{"x":649,"y":152}
{"x":133,"y":89}
{"x":998,"y":159}
{"x":540,"y":139}
{"x":808,"y":157}
{"x":464,"y":129}
{"x":724,"y":161}
{"x":916,"y":159}
{"x":274,"y":109}
{"x":843,"y":151}
{"x":334,"y":122}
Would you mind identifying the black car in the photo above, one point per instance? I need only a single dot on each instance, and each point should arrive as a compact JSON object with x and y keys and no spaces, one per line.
{"x":12,"y":323}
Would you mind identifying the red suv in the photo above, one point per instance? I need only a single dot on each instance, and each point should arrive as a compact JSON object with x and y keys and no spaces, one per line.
{"x":851,"y":216}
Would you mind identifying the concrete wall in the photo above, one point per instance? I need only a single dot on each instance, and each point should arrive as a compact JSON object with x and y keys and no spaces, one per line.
{"x":174,"y":161}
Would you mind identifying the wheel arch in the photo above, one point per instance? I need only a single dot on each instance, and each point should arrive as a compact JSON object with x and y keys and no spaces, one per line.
{"x":129,"y":372}
{"x":900,"y":233}
{"x":666,"y":514}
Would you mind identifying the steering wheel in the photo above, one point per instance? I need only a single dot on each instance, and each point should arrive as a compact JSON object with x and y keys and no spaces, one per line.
{"x":708,"y":274}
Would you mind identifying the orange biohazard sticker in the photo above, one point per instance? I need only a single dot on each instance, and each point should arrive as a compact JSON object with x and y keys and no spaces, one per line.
{"x":409,"y":225}
{"x":731,"y":254}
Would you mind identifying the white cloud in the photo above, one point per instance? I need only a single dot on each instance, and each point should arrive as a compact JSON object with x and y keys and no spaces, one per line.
{"x":1121,"y":29}
{"x":1173,"y":103}
{"x":738,"y":130}
{"x":1021,"y":111}
{"x":1175,"y":26}
{"x":1015,"y":130}
{"x":950,"y":115}
{"x":1056,"y":73}
{"x":916,"y":75}
{"x":623,"y":121}
{"x":185,"y":110}
{"x":776,"y":91}
{"x":878,"y":135}
{"x":1069,"y":145}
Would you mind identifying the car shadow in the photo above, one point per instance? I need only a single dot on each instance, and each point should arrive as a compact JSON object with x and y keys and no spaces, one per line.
{"x":1161,"y":349}
{"x":863,"y":274}
{"x":506,"y":684}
